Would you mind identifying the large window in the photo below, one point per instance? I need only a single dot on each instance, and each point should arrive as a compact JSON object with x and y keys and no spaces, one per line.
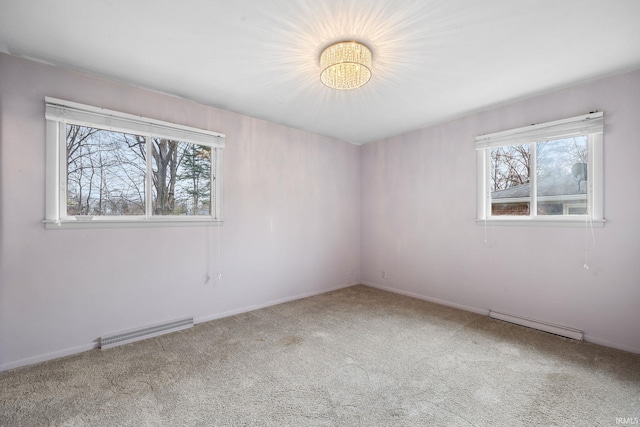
{"x":109,"y":168}
{"x":549,"y":173}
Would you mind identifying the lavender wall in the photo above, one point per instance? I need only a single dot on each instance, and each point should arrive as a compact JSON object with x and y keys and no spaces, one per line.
{"x":304,"y":214}
{"x":418,"y":221}
{"x":291,"y":204}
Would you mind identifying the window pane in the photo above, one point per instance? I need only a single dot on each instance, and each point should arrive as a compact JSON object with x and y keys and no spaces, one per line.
{"x":181,"y":178}
{"x":510,"y":187}
{"x":561,"y":175}
{"x":105,"y":172}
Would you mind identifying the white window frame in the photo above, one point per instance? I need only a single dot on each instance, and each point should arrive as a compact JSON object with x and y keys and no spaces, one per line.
{"x":588,"y":124}
{"x":59,"y":113}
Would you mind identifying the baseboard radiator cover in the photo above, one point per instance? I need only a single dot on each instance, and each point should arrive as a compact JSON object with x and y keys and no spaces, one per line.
{"x":125,"y":337}
{"x":538,"y":324}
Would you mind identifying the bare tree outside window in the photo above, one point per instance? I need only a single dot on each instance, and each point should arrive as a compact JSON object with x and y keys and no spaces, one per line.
{"x":543,"y":173}
{"x":181,"y":178}
{"x":106,"y":173}
{"x":561,"y":177}
{"x":556,"y":158}
{"x":510,"y":166}
{"x":561,"y":173}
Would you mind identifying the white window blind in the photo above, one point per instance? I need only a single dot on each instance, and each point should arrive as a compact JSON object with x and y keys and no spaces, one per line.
{"x":532,"y":174}
{"x":128,"y":187}
{"x":591,"y":123}
{"x":66,"y":111}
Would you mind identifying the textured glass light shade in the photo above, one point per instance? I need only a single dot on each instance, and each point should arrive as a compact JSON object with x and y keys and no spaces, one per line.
{"x":345,"y":65}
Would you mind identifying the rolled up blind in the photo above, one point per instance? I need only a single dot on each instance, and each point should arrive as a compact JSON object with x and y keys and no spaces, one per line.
{"x":566,"y":128}
{"x":85,"y":115}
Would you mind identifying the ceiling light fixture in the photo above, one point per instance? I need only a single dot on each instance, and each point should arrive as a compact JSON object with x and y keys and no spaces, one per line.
{"x":345,"y":65}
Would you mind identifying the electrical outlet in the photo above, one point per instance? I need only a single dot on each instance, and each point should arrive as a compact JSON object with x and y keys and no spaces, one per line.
{"x":384,"y":274}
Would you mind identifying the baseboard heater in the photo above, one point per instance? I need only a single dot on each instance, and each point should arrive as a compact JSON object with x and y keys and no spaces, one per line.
{"x":537,"y":324}
{"x":145,"y":332}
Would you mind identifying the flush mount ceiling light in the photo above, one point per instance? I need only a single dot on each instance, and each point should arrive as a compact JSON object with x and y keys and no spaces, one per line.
{"x":345,"y":65}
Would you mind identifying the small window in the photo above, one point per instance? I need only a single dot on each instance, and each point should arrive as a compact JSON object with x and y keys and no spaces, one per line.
{"x":106,"y":168}
{"x":546,"y":173}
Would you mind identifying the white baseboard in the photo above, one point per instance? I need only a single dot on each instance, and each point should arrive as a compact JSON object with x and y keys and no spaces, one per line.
{"x":476,"y":310}
{"x":48,"y":356}
{"x":586,"y":337}
{"x":607,"y":343}
{"x":268,"y":304}
{"x":94,"y":345}
{"x":86,"y":347}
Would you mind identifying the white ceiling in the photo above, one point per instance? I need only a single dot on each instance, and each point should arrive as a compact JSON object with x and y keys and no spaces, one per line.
{"x":433,"y":60}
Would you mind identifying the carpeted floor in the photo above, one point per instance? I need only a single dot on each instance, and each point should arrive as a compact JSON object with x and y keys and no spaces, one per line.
{"x":354,"y":357}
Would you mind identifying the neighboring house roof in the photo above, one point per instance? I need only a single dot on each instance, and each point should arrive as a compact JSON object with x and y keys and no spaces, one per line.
{"x":559,"y":186}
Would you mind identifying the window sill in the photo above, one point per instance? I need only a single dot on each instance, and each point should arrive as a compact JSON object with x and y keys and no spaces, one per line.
{"x":130,"y":223}
{"x":543,"y":222}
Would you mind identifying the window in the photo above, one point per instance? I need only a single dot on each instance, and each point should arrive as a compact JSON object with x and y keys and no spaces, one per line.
{"x":106,"y":168}
{"x":549,"y":173}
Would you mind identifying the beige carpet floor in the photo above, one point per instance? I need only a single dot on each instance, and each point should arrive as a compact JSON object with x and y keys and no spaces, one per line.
{"x":353,"y":357}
